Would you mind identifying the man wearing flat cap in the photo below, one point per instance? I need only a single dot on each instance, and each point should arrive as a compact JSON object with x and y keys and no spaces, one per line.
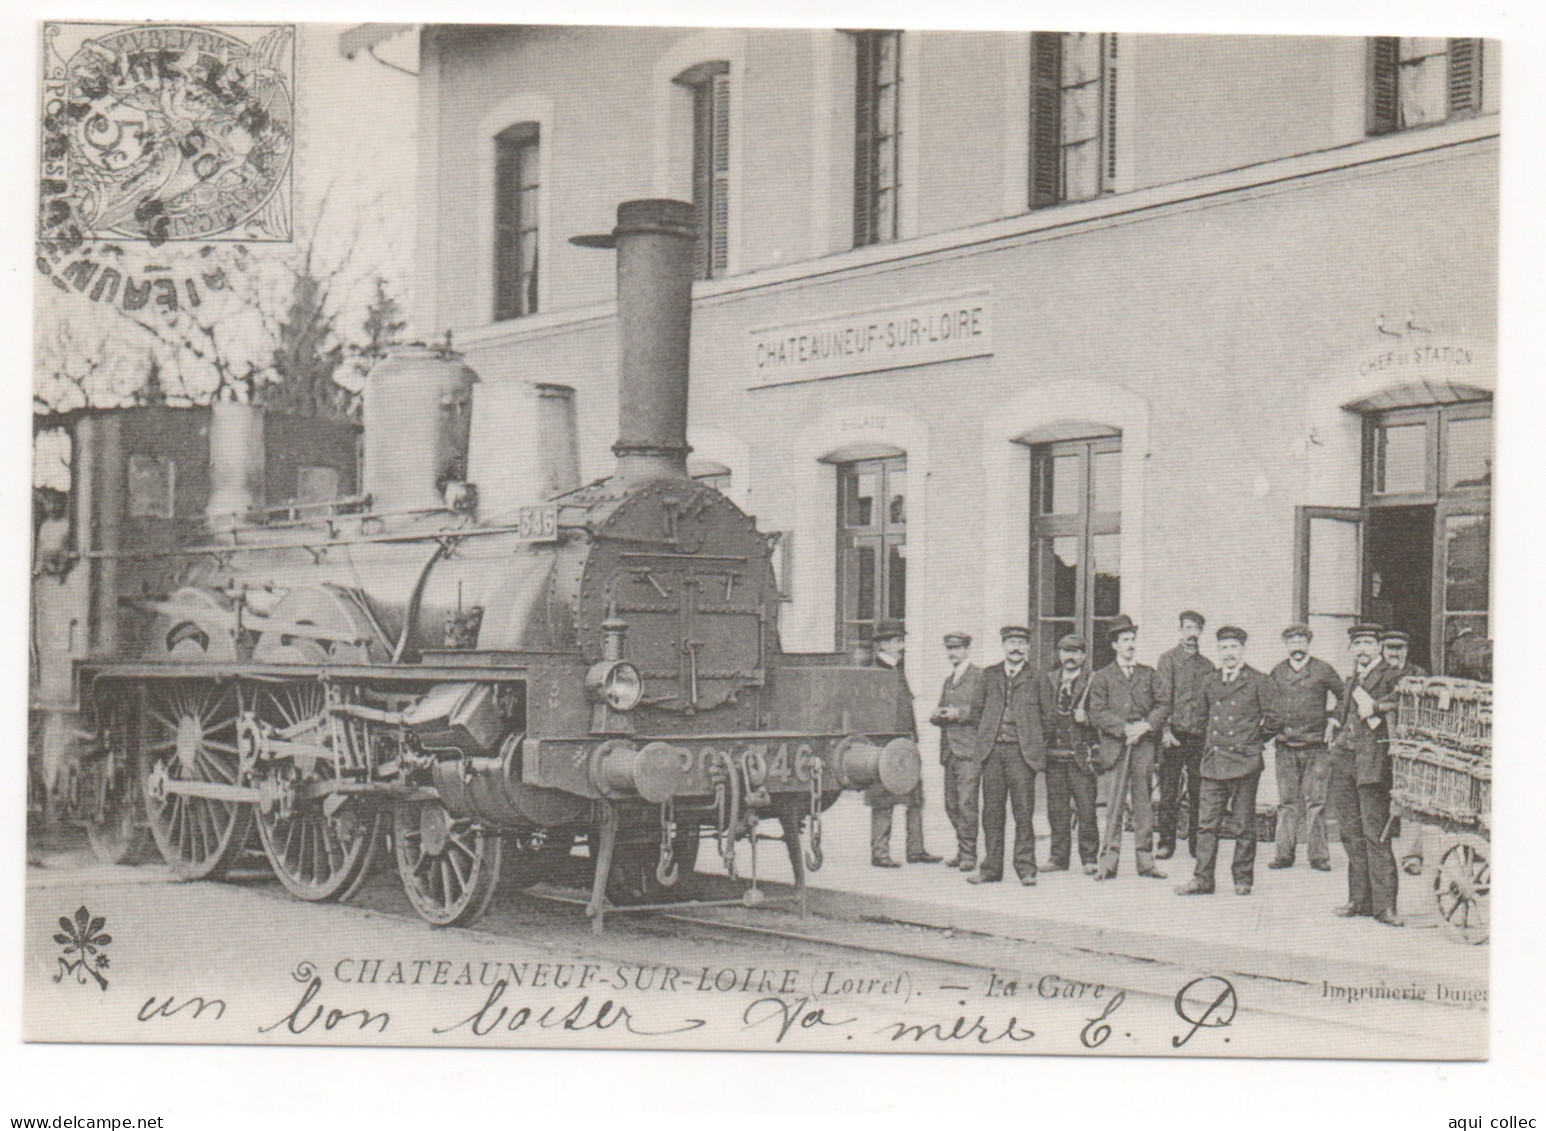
{"x":1181,"y":674}
{"x":1064,"y":695}
{"x":1360,"y":778}
{"x":1010,"y":751}
{"x":890,"y":647}
{"x":1308,"y":691}
{"x":1239,"y":708}
{"x":957,"y":739}
{"x":1126,"y":709}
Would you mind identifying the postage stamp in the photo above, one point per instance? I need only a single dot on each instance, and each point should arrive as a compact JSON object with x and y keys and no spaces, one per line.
{"x":769,"y":539}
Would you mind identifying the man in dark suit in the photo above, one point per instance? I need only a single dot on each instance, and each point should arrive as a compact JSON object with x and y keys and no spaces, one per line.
{"x":1181,"y":674}
{"x":1238,"y":699}
{"x":1070,"y":773}
{"x":1126,"y":708}
{"x":957,"y":737}
{"x":1360,"y":778}
{"x":890,"y":648}
{"x":1303,"y":686}
{"x":1010,"y":750}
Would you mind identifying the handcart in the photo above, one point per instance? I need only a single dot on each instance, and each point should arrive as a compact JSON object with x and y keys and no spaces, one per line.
{"x":1441,"y":781}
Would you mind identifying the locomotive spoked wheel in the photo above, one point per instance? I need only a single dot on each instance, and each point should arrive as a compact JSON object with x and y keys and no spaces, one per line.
{"x":449,"y":866}
{"x":188,"y":733}
{"x":1461,"y":885}
{"x":316,"y":854}
{"x":115,"y":824}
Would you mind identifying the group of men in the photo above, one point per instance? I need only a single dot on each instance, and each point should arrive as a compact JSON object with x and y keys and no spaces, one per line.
{"x":1183,"y":721}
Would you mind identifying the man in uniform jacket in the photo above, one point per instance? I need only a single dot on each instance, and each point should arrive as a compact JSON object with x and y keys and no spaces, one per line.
{"x":1181,"y":674}
{"x":1070,"y":774}
{"x":1360,"y":778}
{"x":957,"y":738}
{"x":890,"y":647}
{"x":1126,"y":709}
{"x":1010,"y":750}
{"x":1239,"y":704}
{"x":1303,"y":686}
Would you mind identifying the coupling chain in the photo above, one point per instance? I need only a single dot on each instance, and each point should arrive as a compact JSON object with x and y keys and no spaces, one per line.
{"x":666,"y":870}
{"x":813,"y":857}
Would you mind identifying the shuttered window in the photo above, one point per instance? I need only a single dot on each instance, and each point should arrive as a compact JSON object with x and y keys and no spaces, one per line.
{"x":517,"y":182}
{"x":710,"y":87}
{"x":877,"y":135}
{"x":1073,"y":118}
{"x":1421,"y":81}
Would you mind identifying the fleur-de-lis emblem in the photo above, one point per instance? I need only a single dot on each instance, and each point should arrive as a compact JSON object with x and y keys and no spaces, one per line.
{"x":83,"y":936}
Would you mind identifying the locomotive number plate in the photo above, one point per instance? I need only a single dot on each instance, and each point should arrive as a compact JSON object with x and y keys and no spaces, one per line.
{"x":538,"y":523}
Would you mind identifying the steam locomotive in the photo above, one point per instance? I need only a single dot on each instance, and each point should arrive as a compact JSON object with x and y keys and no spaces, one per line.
{"x":477,"y":660}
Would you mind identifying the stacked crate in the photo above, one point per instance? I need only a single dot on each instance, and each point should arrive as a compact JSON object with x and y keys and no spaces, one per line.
{"x":1441,"y":749}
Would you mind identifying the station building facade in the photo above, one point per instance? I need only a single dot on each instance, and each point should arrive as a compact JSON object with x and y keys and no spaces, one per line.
{"x":1017,"y":327}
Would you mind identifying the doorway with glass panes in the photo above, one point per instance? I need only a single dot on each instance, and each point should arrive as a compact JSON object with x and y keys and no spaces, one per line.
{"x":1076,"y":540}
{"x":1416,"y":555}
{"x":871,"y":541}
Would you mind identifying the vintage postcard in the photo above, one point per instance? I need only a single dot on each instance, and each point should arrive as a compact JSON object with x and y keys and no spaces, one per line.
{"x":802,"y":539}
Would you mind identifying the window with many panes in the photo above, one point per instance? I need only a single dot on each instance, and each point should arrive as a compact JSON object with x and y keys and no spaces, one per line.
{"x":710,"y":87}
{"x":871,"y":546}
{"x":877,"y":135}
{"x":1072,"y":116}
{"x":517,"y":182}
{"x":1076,"y":543}
{"x":1422,"y":80}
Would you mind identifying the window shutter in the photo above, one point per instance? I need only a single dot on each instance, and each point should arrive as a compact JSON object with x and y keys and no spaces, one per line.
{"x":702,"y":176}
{"x":1465,"y":77}
{"x":719,"y":209}
{"x":507,"y":194}
{"x":1046,"y":150}
{"x":1109,"y":125}
{"x":864,"y":139}
{"x":1384,"y":84}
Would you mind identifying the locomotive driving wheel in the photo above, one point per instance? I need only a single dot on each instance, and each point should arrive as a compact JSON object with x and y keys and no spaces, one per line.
{"x":449,"y":865}
{"x":1461,"y":885}
{"x":319,"y":850}
{"x":189,"y":734}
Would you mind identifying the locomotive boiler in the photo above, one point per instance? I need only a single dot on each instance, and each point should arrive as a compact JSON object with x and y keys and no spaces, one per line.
{"x":486,"y":683}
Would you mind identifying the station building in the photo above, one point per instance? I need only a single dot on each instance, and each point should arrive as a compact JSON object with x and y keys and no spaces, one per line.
{"x":1017,"y":327}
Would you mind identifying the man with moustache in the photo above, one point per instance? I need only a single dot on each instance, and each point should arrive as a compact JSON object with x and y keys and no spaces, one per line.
{"x":1238,"y":699}
{"x":1307,"y":691}
{"x":1126,"y":709}
{"x":1181,"y":674}
{"x":890,"y":649}
{"x":957,"y":738}
{"x":1010,"y":751}
{"x":1360,"y":779}
{"x":1070,"y":773}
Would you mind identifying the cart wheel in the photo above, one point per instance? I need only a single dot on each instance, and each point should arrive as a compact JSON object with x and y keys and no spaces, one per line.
{"x":1461,"y":885}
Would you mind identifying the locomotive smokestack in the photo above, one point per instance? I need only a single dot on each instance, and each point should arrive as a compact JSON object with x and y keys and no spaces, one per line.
{"x":654,"y":241}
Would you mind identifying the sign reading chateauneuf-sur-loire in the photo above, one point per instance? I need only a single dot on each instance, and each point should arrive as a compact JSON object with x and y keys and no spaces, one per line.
{"x":894,"y":337}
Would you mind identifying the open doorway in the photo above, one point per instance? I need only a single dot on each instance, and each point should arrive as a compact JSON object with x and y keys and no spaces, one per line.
{"x":1398,"y":574}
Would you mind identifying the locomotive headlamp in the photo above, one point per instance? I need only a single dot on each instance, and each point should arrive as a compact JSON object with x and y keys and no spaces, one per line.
{"x":617,"y":683}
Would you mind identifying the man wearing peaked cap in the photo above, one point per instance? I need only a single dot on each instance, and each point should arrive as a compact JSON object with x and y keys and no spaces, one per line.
{"x":890,"y":648}
{"x":1063,"y":696}
{"x":956,"y":741}
{"x":1009,"y":750}
{"x":1126,"y":709}
{"x":1238,"y":699}
{"x":1303,"y":686}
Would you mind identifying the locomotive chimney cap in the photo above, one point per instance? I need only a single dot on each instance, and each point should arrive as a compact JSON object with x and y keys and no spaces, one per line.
{"x":640,"y":217}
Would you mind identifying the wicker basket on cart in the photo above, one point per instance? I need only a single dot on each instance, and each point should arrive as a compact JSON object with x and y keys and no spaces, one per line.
{"x":1452,"y":714}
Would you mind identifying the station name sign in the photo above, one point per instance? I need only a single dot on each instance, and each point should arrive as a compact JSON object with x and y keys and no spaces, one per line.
{"x":916,"y":333}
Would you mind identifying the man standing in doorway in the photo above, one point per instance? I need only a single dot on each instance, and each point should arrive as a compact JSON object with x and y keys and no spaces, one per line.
{"x":1238,"y":700}
{"x":1360,"y":780}
{"x":1181,"y":674}
{"x":957,"y":737}
{"x":1070,"y":775}
{"x":1306,"y":692}
{"x":1126,"y":709}
{"x":1010,"y":750}
{"x":890,"y":648}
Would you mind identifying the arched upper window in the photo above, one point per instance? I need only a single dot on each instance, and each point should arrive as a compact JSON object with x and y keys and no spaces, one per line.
{"x":517,"y":184}
{"x":709,"y":85}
